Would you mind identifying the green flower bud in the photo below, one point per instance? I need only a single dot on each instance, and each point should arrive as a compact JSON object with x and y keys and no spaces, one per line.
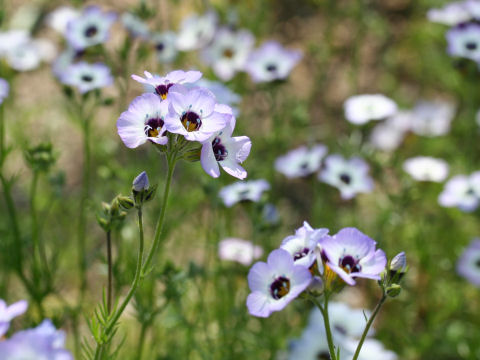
{"x":394,"y":290}
{"x":125,"y":202}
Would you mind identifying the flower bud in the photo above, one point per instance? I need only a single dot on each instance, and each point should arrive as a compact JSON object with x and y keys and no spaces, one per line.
{"x":399,"y":263}
{"x":394,"y":290}
{"x":141,"y":182}
{"x":125,"y":202}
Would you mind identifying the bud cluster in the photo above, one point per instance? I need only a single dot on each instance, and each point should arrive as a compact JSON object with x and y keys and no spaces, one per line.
{"x":40,"y":157}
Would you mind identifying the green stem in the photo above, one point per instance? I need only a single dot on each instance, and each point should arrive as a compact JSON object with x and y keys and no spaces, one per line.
{"x":110,"y":272}
{"x":326,"y":321}
{"x":369,"y":324}
{"x":141,"y":340}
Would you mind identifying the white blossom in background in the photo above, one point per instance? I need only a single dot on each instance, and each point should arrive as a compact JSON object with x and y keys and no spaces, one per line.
{"x":239,"y":250}
{"x":360,"y":109}
{"x":301,"y":161}
{"x":59,"y":18}
{"x":197,"y":31}
{"x":451,"y":14}
{"x":165,"y":45}
{"x":432,"y":118}
{"x":426,"y":168}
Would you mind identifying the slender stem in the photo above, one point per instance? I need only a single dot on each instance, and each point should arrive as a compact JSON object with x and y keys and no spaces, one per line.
{"x":326,"y":321}
{"x":110,"y":272}
{"x":141,"y":340}
{"x":369,"y":324}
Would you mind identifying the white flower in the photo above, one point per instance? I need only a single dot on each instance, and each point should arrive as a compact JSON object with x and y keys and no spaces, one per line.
{"x":432,"y":118}
{"x":241,"y":251}
{"x":86,"y":77}
{"x":462,"y":191}
{"x":426,"y":168}
{"x":372,"y":350}
{"x":360,"y":109}
{"x":135,"y":26}
{"x":301,"y":161}
{"x":451,"y":14}
{"x":196,"y":31}
{"x":165,"y":46}
{"x":161,"y":84}
{"x":464,"y":41}
{"x":59,"y":18}
{"x":243,"y":190}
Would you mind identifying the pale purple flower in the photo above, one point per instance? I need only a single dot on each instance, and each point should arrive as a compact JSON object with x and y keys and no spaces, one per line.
{"x":426,"y":168}
{"x":194,"y":113}
{"x":468,"y":264}
{"x":389,"y":134}
{"x":165,"y":46}
{"x":276,"y":283}
{"x":41,"y":343}
{"x":352,"y":254}
{"x":196,"y":31}
{"x":228,"y":52}
{"x":432,"y":118}
{"x":224,"y":150}
{"x":302,"y":245}
{"x":8,"y":313}
{"x":473,"y":8}
{"x":59,"y":18}
{"x":144,"y":120}
{"x":271,"y":62}
{"x":301,"y":162}
{"x":160,"y":85}
{"x":141,"y":182}
{"x":464,"y":41}
{"x":462,"y":191}
{"x":451,"y":14}
{"x":243,"y":191}
{"x":241,"y":251}
{"x":91,"y":28}
{"x":135,"y":26}
{"x":4,"y":89}
{"x":360,"y":109}
{"x":349,"y":176}
{"x":87,"y":77}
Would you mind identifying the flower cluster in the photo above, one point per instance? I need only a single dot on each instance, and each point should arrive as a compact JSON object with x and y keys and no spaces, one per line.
{"x":192,"y":114}
{"x":312,"y":259}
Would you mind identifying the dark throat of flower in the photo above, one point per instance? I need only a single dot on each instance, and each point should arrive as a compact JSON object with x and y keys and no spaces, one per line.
{"x":162,"y":90}
{"x":153,"y":127}
{"x":345,"y":178}
{"x":219,"y":150}
{"x":91,"y":31}
{"x":349,"y":264}
{"x":191,"y":121}
{"x":280,"y":287}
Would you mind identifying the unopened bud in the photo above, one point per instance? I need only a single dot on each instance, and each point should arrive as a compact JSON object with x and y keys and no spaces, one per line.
{"x":125,"y":202}
{"x":399,"y":263}
{"x":141,"y":182}
{"x":394,"y":290}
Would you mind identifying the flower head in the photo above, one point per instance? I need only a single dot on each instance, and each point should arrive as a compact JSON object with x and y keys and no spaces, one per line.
{"x":301,"y":161}
{"x":462,"y":191}
{"x":276,"y":283}
{"x":4,"y":89}
{"x":351,"y":254}
{"x":426,"y":168}
{"x":144,"y":120}
{"x":86,"y":77}
{"x":59,"y":18}
{"x":349,"y":176}
{"x":468,"y":264}
{"x":196,"y":31}
{"x":360,"y":109}
{"x":271,"y":62}
{"x":464,"y":41}
{"x":228,"y":52}
{"x":8,"y":313}
{"x":91,"y":28}
{"x":241,"y":251}
{"x":243,"y":191}
{"x":161,"y":85}
{"x":451,"y":14}
{"x":224,"y":150}
{"x":165,"y":46}
{"x":432,"y":118}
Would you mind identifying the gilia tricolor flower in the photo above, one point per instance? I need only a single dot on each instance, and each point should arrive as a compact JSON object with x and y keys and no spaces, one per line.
{"x":165,"y":46}
{"x":8,"y":313}
{"x":86,"y":77}
{"x":59,"y":18}
{"x":160,"y":85}
{"x":360,"y":109}
{"x":301,"y":161}
{"x":241,"y":251}
{"x":224,"y":150}
{"x":464,"y":41}
{"x":426,"y":168}
{"x":243,"y":191}
{"x":468,"y":264}
{"x":144,"y":120}
{"x":196,"y":31}
{"x":91,"y":28}
{"x":462,"y":191}
{"x":451,"y":14}
{"x":432,"y":118}
{"x":276,"y":283}
{"x":352,"y":254}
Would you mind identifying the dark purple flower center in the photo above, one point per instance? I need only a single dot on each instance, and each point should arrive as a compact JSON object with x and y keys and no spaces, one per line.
{"x":160,"y":46}
{"x":470,"y":192}
{"x":280,"y":287}
{"x":191,"y":121}
{"x":162,"y":90}
{"x":349,"y":264}
{"x":87,"y":78}
{"x":304,"y":165}
{"x":228,"y":53}
{"x":346,"y":178}
{"x":153,"y":127}
{"x":244,"y":194}
{"x":301,"y":254}
{"x":471,"y":45}
{"x":91,"y":31}
{"x":477,"y":263}
{"x":271,"y":67}
{"x":340,"y":329}
{"x":323,"y":355}
{"x":219,"y":149}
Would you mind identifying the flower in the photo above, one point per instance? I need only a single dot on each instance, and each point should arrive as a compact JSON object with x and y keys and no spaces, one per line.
{"x":41,"y":343}
{"x":165,"y":46}
{"x":194,"y":114}
{"x":372,"y":349}
{"x":360,"y":109}
{"x":351,"y":254}
{"x":8,"y":313}
{"x":468,"y":264}
{"x":301,"y":161}
{"x":87,"y":77}
{"x":91,"y":28}
{"x":59,"y":18}
{"x":196,"y":31}
{"x":302,"y":245}
{"x":135,"y":26}
{"x":141,"y":182}
{"x":271,"y":62}
{"x":276,"y":283}
{"x":473,"y":8}
{"x":144,"y":120}
{"x":228,"y":52}
{"x":241,"y":251}
{"x":462,"y":191}
{"x":349,"y":176}
{"x":161,"y":85}
{"x":4,"y":89}
{"x":451,"y":14}
{"x":313,"y":345}
{"x":426,"y":168}
{"x":464,"y":41}
{"x":432,"y":118}
{"x":243,"y":191}
{"x":224,"y":150}
{"x":388,"y":135}
{"x":222,"y":93}
{"x":63,"y":61}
